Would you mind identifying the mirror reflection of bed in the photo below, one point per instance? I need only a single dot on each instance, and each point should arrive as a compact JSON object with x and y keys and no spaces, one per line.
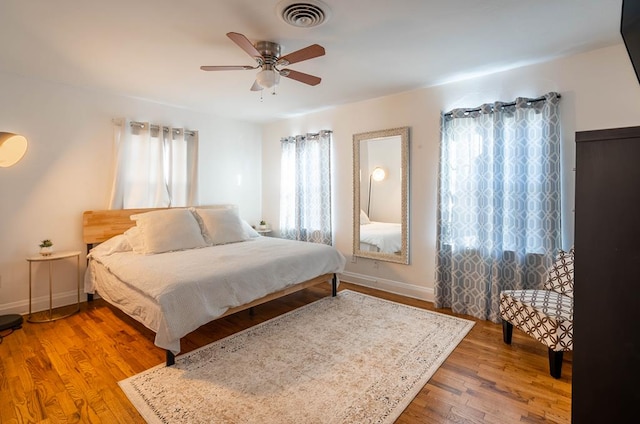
{"x":375,"y":236}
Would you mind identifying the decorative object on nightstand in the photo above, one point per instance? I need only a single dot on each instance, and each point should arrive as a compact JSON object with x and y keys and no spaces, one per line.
{"x":51,"y":258}
{"x":46,"y":247}
{"x":263,"y":228}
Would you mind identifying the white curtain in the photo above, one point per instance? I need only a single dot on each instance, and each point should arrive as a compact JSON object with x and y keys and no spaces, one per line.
{"x":155,"y":166}
{"x":305,"y":188}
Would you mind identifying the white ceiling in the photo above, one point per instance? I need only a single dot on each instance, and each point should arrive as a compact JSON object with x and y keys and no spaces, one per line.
{"x":152,"y":49}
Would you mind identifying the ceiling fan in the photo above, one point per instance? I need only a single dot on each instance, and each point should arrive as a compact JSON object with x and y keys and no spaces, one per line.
{"x":267,"y":55}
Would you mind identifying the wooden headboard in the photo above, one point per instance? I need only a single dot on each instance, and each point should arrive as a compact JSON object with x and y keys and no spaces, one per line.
{"x":99,"y":226}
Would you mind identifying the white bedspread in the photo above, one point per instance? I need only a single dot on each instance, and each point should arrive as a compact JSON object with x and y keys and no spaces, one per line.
{"x":385,"y":235}
{"x":193,"y":287}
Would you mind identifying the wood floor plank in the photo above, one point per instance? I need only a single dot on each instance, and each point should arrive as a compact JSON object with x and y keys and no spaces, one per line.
{"x":68,"y":370}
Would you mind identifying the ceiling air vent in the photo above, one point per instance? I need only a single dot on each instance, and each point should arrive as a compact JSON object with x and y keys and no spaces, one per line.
{"x":303,"y":14}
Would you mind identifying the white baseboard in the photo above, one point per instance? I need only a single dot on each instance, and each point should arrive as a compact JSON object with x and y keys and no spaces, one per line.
{"x":42,"y":303}
{"x":391,"y":286}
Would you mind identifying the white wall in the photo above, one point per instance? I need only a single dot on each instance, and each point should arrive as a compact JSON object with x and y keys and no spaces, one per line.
{"x":67,"y":170}
{"x":599,"y":90}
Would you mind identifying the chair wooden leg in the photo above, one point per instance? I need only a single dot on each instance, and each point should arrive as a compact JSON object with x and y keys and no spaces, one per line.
{"x":555,"y":363}
{"x":507,"y":331}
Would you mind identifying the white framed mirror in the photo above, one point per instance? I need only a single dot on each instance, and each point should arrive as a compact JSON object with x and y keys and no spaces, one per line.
{"x":381,"y":195}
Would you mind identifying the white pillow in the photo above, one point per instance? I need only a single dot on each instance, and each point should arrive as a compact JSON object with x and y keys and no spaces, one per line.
{"x":168,"y":230}
{"x":113,"y":245}
{"x":134,"y":237}
{"x":248,"y":229}
{"x":364,"y":219}
{"x":221,"y":226}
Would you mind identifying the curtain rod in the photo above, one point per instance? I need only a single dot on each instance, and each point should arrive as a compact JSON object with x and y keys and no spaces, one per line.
{"x":157,"y":127}
{"x":539,"y":99}
{"x":308,"y":135}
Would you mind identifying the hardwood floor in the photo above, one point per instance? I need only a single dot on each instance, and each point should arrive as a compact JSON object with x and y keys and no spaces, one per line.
{"x":68,"y":370}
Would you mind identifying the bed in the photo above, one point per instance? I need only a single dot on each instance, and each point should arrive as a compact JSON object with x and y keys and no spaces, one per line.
{"x":383,"y":237}
{"x":176,"y":269}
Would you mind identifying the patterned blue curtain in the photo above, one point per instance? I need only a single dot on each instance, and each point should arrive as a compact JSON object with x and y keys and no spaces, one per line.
{"x":305,"y":188}
{"x":498,"y":202}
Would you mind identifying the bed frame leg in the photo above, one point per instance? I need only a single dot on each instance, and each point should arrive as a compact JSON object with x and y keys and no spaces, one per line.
{"x":89,"y":295}
{"x":334,"y":286}
{"x":171,"y":358}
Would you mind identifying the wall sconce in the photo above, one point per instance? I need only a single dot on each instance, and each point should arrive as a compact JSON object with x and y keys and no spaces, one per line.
{"x":12,"y":148}
{"x":378,"y":174}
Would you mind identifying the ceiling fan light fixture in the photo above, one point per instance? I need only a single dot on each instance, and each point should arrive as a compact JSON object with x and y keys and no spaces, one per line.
{"x":268,"y":78}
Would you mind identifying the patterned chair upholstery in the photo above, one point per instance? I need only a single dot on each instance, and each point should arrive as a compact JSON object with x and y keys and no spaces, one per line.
{"x":546,"y":315}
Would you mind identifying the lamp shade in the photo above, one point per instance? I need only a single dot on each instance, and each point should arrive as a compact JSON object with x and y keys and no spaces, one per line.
{"x":12,"y":148}
{"x":267,"y":78}
{"x":378,"y":174}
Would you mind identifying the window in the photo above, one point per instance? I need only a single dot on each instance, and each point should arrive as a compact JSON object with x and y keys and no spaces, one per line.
{"x":305,"y":188}
{"x":498,"y":202}
{"x":156,"y":166}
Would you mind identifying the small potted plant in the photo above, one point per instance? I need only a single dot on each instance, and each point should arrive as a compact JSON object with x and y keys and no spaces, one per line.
{"x":263,"y":225}
{"x":46,"y":247}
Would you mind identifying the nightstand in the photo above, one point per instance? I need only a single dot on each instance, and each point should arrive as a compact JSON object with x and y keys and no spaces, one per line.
{"x":263,"y":232}
{"x":50,"y":259}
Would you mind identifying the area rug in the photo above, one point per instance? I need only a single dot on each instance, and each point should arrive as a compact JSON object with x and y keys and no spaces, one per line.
{"x":352,"y":358}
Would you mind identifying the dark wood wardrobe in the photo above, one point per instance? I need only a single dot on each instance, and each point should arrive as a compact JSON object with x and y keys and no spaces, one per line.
{"x":606,"y":356}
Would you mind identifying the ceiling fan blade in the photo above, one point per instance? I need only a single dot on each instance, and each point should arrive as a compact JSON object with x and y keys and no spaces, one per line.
{"x":227,"y":68}
{"x":256,"y":86}
{"x":244,"y":43}
{"x":300,"y":76}
{"x":310,"y":52}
